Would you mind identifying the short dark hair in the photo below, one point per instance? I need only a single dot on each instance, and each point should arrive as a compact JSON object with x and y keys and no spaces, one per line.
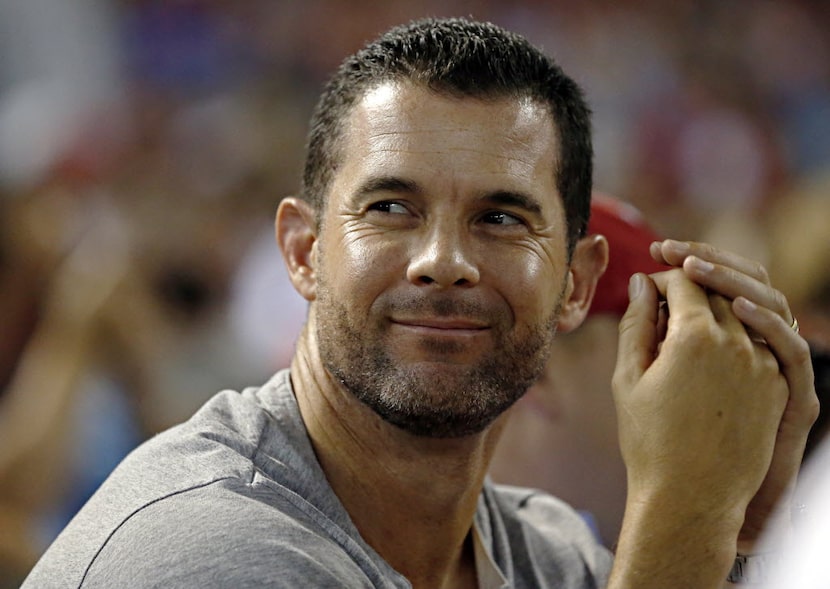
{"x":459,"y":57}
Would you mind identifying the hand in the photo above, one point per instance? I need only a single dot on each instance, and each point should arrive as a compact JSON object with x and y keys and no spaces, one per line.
{"x":698,"y":419}
{"x":699,"y":402}
{"x":766,"y":312}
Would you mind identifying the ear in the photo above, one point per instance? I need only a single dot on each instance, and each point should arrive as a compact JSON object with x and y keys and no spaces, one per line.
{"x":296,"y":233}
{"x":589,"y":262}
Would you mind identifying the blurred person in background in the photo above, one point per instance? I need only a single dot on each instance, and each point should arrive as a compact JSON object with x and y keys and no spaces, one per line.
{"x":56,"y":285}
{"x":119,"y":249}
{"x":123,"y":220}
{"x":562,"y":435}
{"x":61,"y":260}
{"x":120,"y":302}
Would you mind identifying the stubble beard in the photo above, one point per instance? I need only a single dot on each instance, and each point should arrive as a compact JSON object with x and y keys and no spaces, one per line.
{"x":459,"y":400}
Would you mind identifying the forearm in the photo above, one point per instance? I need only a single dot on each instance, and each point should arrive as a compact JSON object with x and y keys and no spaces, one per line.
{"x":35,"y":413}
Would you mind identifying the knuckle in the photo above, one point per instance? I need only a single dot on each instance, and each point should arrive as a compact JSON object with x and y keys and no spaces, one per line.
{"x":802,"y":354}
{"x":701,"y":248}
{"x":627,"y":323}
{"x":619,"y":382}
{"x":752,"y":353}
{"x":669,"y":277}
{"x":812,"y":409}
{"x":697,"y":332}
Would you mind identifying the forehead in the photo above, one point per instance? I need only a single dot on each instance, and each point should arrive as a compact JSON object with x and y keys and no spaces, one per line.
{"x":403,"y":128}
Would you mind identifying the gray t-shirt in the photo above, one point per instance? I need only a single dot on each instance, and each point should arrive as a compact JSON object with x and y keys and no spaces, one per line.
{"x":235,"y":498}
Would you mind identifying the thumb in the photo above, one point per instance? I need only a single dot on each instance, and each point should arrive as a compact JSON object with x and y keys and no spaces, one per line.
{"x":638,"y":337}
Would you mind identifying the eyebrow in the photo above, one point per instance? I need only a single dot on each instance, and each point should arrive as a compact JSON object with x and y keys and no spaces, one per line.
{"x":389,"y":184}
{"x":514,"y":199}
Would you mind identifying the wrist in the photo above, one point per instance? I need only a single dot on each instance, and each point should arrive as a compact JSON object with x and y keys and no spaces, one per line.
{"x":666,"y":538}
{"x":666,"y":504}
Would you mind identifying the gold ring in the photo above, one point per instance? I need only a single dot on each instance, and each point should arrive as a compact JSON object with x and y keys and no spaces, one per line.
{"x":794,"y":324}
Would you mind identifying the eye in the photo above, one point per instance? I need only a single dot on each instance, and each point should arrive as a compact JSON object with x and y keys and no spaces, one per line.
{"x":501,"y":218}
{"x":388,"y":206}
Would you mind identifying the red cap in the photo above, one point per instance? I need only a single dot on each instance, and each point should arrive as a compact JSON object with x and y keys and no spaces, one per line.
{"x":628,"y":238}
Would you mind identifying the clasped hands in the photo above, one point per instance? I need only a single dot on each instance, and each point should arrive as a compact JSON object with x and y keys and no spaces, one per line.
{"x":715,"y":397}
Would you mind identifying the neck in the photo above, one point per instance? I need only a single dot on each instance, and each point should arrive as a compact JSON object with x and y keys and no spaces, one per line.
{"x":412,"y":498}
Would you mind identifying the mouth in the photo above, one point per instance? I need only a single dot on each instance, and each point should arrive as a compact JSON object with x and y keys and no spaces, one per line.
{"x":442,"y":324}
{"x":453,"y":340}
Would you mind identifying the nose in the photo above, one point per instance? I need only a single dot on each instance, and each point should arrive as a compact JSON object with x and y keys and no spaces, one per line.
{"x":443,"y":259}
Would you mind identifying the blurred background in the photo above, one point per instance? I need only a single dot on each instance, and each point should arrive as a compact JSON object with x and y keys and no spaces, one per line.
{"x":145,"y":144}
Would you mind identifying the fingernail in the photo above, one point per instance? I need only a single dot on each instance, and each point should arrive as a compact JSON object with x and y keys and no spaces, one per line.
{"x":635,"y":286}
{"x":746,"y":304}
{"x":681,"y":247}
{"x":700,"y":265}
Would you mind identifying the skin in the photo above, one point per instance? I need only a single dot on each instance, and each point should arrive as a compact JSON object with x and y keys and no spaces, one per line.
{"x":742,"y":450}
{"x":442,"y":235}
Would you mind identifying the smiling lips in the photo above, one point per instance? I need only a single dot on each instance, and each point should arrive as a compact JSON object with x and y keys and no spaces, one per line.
{"x":442,"y":325}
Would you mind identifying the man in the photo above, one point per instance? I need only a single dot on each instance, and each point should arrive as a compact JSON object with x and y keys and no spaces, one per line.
{"x":446,"y":189}
{"x":562,"y":435}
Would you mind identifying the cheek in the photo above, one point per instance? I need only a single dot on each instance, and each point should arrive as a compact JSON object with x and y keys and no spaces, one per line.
{"x":361,"y":267}
{"x":535,"y":285}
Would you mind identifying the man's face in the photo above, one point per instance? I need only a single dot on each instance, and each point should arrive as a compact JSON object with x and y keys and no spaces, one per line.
{"x":441,"y":258}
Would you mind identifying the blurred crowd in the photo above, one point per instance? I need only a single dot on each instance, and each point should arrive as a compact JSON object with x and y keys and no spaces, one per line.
{"x":145,"y":144}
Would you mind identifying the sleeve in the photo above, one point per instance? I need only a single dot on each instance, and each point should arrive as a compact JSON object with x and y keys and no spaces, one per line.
{"x":181,"y":542}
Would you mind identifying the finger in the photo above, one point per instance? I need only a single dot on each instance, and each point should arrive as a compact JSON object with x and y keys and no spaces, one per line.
{"x":733,"y":283}
{"x":801,"y":411}
{"x":723,"y":313}
{"x":791,"y":350}
{"x":725,"y":272}
{"x":674,"y":252}
{"x":681,"y":295}
{"x":638,"y":333}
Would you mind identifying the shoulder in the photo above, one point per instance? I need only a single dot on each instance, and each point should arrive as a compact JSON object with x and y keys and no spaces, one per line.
{"x":232,"y":498}
{"x":223,"y":535}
